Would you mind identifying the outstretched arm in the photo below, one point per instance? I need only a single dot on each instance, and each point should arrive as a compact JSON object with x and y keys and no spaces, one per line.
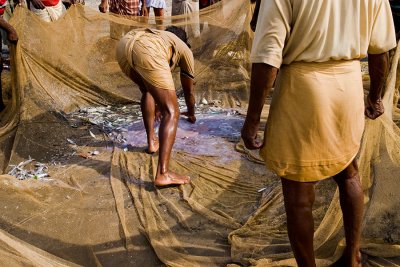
{"x":12,"y":35}
{"x":188,"y":91}
{"x":262,"y":79}
{"x":378,"y":65}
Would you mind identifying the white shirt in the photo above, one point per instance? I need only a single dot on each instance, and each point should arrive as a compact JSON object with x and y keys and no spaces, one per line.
{"x":321,"y":30}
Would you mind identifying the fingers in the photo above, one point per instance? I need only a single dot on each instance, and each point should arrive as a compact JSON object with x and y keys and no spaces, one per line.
{"x":249,"y":134}
{"x":190,"y":118}
{"x":102,"y":8}
{"x":372,"y":114}
{"x":374,"y":109}
{"x":251,"y":143}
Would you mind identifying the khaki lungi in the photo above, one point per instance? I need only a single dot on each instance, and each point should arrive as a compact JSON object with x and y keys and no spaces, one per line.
{"x":148,"y":55}
{"x":316,"y":120}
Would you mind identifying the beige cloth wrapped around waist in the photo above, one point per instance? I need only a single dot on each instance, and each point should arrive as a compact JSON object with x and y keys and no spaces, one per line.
{"x":316,"y":120}
{"x":148,"y":55}
{"x":50,"y":13}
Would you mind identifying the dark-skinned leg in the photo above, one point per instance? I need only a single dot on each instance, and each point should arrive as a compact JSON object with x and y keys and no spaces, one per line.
{"x":148,"y":108}
{"x":351,"y":202}
{"x":167,"y":103}
{"x":159,"y":12}
{"x":299,"y":199}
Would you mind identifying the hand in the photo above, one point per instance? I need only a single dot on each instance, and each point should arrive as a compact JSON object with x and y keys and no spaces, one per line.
{"x":73,"y":2}
{"x":12,"y":36}
{"x":103,"y":7}
{"x":38,"y":4}
{"x":374,"y":108}
{"x":249,"y":135}
{"x":190,"y":117}
{"x":145,"y":12}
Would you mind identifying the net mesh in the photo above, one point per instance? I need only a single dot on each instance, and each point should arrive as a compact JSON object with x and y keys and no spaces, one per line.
{"x":103,"y":210}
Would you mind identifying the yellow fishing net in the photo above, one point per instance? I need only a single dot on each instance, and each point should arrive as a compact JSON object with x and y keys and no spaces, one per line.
{"x":94,"y":204}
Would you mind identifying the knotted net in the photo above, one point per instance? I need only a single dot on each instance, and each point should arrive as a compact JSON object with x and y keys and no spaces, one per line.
{"x":102,"y":209}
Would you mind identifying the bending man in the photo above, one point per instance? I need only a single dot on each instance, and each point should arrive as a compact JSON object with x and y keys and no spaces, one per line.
{"x":316,"y":117}
{"x":148,"y":57}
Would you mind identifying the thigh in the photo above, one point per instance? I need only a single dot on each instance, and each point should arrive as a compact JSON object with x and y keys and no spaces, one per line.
{"x":136,"y":78}
{"x":165,"y":99}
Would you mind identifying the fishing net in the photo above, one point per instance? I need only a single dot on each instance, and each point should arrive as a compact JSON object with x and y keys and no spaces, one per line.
{"x":77,"y":187}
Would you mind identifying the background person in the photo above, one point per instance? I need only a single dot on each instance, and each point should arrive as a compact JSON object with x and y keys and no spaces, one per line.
{"x":132,"y":8}
{"x":12,"y":37}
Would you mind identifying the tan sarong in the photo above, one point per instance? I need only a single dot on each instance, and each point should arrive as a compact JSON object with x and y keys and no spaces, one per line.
{"x":148,"y":55}
{"x":50,"y":13}
{"x":316,"y":120}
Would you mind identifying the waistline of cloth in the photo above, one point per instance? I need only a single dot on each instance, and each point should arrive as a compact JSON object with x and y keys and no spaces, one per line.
{"x":320,"y":66}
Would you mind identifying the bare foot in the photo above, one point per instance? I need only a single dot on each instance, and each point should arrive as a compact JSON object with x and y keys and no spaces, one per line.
{"x":170,"y":178}
{"x":361,"y":260}
{"x":153,"y":147}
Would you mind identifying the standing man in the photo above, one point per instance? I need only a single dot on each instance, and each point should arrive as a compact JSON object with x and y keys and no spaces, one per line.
{"x":148,"y":57}
{"x":316,"y":117}
{"x":190,"y":8}
{"x":12,"y":38}
{"x":125,"y":8}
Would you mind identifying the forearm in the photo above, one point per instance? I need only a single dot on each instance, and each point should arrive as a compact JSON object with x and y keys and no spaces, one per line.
{"x":378,"y":66}
{"x":6,"y":26}
{"x":262,"y":79}
{"x":188,"y":91}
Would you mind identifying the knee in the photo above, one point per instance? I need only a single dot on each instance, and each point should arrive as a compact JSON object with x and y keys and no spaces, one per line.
{"x":171,"y":112}
{"x":298,"y":195}
{"x":349,"y":173}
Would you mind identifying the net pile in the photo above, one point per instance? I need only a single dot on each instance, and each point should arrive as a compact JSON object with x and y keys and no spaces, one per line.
{"x":98,"y":207}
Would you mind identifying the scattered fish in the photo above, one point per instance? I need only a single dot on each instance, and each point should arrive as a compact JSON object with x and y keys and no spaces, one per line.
{"x":115,"y":121}
{"x":92,"y":134}
{"x":71,"y":141}
{"x":21,"y":171}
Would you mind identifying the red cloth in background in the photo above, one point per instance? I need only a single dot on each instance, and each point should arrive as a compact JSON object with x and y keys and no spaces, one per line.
{"x":50,"y":2}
